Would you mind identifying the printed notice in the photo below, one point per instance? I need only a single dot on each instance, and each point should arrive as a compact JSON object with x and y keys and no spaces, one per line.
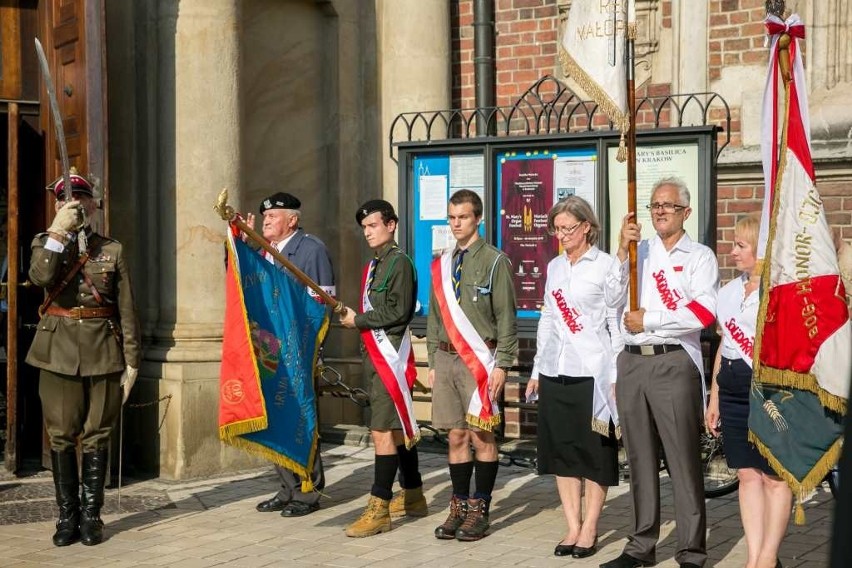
{"x":433,"y":198}
{"x":575,"y":176}
{"x":652,"y":164}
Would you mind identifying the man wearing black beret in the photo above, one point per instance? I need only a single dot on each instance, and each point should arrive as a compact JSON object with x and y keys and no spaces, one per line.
{"x":281,"y":213}
{"x":388,"y":298}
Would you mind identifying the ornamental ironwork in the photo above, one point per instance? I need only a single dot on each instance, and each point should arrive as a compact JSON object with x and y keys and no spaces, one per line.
{"x":551,"y":108}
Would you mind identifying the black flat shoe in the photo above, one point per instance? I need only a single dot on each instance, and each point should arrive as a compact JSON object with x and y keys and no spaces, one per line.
{"x":585,"y":551}
{"x":271,"y":505}
{"x":563,"y":549}
{"x":299,"y":509}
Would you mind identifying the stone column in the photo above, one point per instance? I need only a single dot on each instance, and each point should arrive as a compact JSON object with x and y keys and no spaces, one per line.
{"x":414,"y":66}
{"x":690,"y":64}
{"x":198,"y":154}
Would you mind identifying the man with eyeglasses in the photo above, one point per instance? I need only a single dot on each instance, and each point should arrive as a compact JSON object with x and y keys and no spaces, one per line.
{"x":660,"y":387}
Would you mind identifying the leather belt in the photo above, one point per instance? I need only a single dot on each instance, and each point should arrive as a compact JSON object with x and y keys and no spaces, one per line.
{"x":81,"y":313}
{"x":448,"y":347}
{"x":652,"y":349}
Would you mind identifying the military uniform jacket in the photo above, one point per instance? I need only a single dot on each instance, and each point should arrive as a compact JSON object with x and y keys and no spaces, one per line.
{"x":310,"y":255}
{"x":392,"y":294}
{"x":85,"y":346}
{"x":487,"y":299}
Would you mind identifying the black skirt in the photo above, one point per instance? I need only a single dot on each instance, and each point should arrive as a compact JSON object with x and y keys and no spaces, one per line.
{"x":567,"y":445}
{"x":734,"y":382}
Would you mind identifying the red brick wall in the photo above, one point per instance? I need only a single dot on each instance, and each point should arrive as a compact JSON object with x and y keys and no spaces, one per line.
{"x":526,"y":49}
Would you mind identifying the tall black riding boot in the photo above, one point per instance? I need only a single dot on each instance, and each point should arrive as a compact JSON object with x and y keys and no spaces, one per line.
{"x":94,"y":472}
{"x":67,"y":485}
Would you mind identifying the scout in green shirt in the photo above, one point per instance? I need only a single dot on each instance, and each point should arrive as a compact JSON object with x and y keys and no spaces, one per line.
{"x":390,"y":285}
{"x":483,"y":290}
{"x":87,"y":348}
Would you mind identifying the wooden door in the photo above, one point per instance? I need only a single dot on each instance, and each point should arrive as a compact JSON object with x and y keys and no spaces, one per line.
{"x":72,"y":34}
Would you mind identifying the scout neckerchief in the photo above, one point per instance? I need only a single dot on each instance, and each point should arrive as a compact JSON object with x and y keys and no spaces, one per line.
{"x":482,"y":411}
{"x":664,"y":290}
{"x":395,"y":368}
{"x":579,"y":331}
{"x":738,"y":317}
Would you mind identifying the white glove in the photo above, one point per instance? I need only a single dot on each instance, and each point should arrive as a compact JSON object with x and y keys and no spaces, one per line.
{"x":68,"y":219}
{"x":128,"y":377}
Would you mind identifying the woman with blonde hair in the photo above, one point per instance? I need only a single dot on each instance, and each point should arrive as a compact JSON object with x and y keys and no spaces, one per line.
{"x":765,"y":499}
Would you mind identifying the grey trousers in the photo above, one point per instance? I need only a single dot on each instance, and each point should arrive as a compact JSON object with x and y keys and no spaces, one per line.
{"x":76,"y":407}
{"x":659,"y":401}
{"x":291,"y":484}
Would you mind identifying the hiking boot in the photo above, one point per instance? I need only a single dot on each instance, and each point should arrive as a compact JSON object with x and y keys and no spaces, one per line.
{"x":475,"y":525}
{"x":374,"y":520}
{"x":409,"y":502}
{"x":458,"y":512}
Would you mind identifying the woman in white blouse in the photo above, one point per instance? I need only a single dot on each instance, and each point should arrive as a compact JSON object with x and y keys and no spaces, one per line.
{"x":574,"y":373}
{"x":765,"y":499}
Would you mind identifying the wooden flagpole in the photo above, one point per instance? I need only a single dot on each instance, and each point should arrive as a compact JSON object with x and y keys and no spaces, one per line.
{"x":631,"y":166}
{"x":229,"y":214}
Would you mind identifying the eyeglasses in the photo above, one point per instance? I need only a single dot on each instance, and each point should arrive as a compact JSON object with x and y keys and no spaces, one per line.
{"x":666,"y":207}
{"x":565,"y":231}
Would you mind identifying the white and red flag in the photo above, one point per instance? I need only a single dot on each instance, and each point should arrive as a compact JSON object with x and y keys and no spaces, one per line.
{"x":803,"y":359}
{"x":592,"y":53}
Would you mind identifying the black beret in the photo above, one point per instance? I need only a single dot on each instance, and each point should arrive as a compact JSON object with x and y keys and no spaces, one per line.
{"x":374,"y":205}
{"x":280,"y":200}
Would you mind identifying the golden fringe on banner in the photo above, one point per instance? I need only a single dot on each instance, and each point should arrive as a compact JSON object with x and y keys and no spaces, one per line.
{"x":483,"y":424}
{"x":811,"y":480}
{"x":802,"y":381}
{"x":602,"y":428}
{"x":411,"y":442}
{"x":620,"y":120}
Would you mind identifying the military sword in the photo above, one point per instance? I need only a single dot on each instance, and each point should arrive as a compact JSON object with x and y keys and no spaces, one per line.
{"x":57,"y":119}
{"x":60,"y":135}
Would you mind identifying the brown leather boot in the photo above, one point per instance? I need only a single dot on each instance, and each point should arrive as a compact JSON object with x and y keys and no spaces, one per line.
{"x":475,"y":525}
{"x":458,"y":512}
{"x":374,"y":520}
{"x":409,"y":502}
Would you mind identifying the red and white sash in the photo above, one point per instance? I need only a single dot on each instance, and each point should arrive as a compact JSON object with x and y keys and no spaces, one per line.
{"x":395,"y":368}
{"x":667,"y":292}
{"x":740,"y":325}
{"x":482,"y":411}
{"x":579,"y":330}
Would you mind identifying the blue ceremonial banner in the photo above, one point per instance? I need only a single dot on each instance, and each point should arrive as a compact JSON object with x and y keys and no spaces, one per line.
{"x":273,"y":330}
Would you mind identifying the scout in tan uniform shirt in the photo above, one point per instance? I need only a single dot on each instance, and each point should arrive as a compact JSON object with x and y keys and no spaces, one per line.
{"x":87,"y":347}
{"x":391,"y":285}
{"x":485,"y":293}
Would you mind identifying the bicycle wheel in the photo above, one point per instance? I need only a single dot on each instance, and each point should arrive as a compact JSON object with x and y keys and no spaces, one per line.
{"x":719,"y":479}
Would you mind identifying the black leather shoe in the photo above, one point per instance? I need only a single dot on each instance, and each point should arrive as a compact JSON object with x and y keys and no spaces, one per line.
{"x":585,"y":551}
{"x":299,"y":509}
{"x":626,"y":561}
{"x":563,"y":549}
{"x":271,"y":505}
{"x":689,"y":565}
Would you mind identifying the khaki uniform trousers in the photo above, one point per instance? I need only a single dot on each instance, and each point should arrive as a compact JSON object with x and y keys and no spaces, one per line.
{"x":79,"y":408}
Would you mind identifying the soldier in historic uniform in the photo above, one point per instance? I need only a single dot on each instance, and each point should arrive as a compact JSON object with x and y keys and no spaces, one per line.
{"x":281,"y":213}
{"x":87,"y":347}
{"x":472,"y":342}
{"x":388,"y":299}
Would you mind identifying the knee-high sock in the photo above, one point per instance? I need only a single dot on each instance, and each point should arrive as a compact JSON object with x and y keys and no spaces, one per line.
{"x":486,"y":476}
{"x":385,"y":470}
{"x":409,"y":467}
{"x":460,"y":474}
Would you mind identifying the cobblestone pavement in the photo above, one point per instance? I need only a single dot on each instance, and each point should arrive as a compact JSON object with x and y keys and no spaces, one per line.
{"x":212,"y":522}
